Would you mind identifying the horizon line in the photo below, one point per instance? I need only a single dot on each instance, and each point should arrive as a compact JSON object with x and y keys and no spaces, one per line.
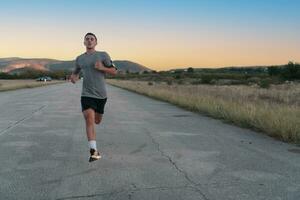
{"x":170,"y":68}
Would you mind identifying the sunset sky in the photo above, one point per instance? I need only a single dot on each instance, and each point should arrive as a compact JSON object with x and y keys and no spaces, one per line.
{"x":160,"y":34}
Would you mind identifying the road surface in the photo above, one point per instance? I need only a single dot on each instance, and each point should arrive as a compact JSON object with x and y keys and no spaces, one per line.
{"x":151,"y":150}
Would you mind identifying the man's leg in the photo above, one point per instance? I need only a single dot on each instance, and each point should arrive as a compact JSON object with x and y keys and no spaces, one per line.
{"x":98,"y":118}
{"x":89,"y":116}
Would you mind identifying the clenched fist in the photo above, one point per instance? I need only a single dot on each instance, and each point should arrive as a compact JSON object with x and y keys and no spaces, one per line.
{"x":74,"y":78}
{"x":99,"y":65}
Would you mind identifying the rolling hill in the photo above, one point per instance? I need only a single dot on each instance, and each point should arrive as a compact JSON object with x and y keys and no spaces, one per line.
{"x":17,"y":65}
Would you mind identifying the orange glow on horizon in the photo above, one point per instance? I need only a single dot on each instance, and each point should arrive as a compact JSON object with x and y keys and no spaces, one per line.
{"x":159,"y":50}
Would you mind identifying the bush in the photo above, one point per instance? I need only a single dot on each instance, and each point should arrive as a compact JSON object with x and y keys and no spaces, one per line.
{"x":255,"y":80}
{"x":196,"y":82}
{"x":190,"y":70}
{"x":178,"y":76}
{"x":291,"y":71}
{"x":206,"y":79}
{"x":169,"y":82}
{"x":274,"y":71}
{"x":265,"y":83}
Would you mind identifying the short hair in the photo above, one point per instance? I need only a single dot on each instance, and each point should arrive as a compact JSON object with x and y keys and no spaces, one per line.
{"x":92,"y":34}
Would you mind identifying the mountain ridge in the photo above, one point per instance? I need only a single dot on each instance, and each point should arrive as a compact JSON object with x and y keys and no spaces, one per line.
{"x":10,"y":64}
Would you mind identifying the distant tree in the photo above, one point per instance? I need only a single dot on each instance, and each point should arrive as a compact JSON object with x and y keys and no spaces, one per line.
{"x":178,"y":71}
{"x":4,"y":75}
{"x":274,"y":70}
{"x":178,"y":76}
{"x":190,"y":70}
{"x":291,"y":71}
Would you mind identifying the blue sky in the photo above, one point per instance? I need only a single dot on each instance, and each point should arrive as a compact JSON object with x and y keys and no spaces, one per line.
{"x":156,"y":32}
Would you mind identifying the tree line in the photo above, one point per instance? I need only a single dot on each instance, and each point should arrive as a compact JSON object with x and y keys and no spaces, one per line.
{"x":290,"y":71}
{"x":33,"y":74}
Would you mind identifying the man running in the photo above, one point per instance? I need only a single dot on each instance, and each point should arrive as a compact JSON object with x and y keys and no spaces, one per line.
{"x":94,"y":64}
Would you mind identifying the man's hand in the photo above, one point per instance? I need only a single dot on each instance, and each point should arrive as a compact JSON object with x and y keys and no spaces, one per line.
{"x":99,"y":65}
{"x":74,"y":78}
{"x":110,"y":70}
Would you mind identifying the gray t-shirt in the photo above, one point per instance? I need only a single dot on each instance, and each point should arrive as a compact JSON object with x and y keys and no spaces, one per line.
{"x":93,"y":79}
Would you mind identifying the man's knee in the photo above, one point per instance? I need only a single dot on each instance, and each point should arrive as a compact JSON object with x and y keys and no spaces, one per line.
{"x":98,"y":119}
{"x":89,"y":116}
{"x":89,"y":120}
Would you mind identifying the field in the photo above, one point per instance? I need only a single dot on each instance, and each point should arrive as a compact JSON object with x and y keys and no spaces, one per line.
{"x":18,"y":84}
{"x":274,"y":111}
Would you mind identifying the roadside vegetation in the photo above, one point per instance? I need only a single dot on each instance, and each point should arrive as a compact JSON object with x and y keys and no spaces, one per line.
{"x":263,"y":99}
{"x":6,"y":85}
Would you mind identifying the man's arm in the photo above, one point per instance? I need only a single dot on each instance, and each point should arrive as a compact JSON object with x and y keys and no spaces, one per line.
{"x":107,"y":65}
{"x":109,"y":69}
{"x":75,"y":72}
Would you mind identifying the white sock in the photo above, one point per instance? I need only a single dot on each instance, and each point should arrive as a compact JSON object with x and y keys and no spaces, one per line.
{"x":92,"y":144}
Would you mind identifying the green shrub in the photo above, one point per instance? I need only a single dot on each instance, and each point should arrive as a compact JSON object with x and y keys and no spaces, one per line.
{"x":265,"y":83}
{"x":178,"y":76}
{"x":196,"y":82}
{"x":291,"y":71}
{"x":206,"y":79}
{"x":190,"y":70}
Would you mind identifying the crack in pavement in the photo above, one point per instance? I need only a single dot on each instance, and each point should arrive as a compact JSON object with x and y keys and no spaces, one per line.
{"x":129,"y":191}
{"x":21,"y":120}
{"x":92,"y":195}
{"x":195,"y":185}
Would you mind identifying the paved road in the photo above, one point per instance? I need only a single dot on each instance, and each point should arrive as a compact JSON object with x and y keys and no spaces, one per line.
{"x":152,"y":150}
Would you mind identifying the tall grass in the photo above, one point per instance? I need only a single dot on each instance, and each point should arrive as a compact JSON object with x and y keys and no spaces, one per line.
{"x":274,"y":111}
{"x":6,"y":85}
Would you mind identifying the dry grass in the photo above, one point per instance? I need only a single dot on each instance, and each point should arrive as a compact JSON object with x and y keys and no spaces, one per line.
{"x":274,"y":111}
{"x":18,"y":84}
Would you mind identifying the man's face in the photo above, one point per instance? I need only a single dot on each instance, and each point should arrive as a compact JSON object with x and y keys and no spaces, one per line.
{"x":90,"y":42}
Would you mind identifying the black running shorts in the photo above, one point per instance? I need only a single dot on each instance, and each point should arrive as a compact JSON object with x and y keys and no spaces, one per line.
{"x":96,"y":104}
